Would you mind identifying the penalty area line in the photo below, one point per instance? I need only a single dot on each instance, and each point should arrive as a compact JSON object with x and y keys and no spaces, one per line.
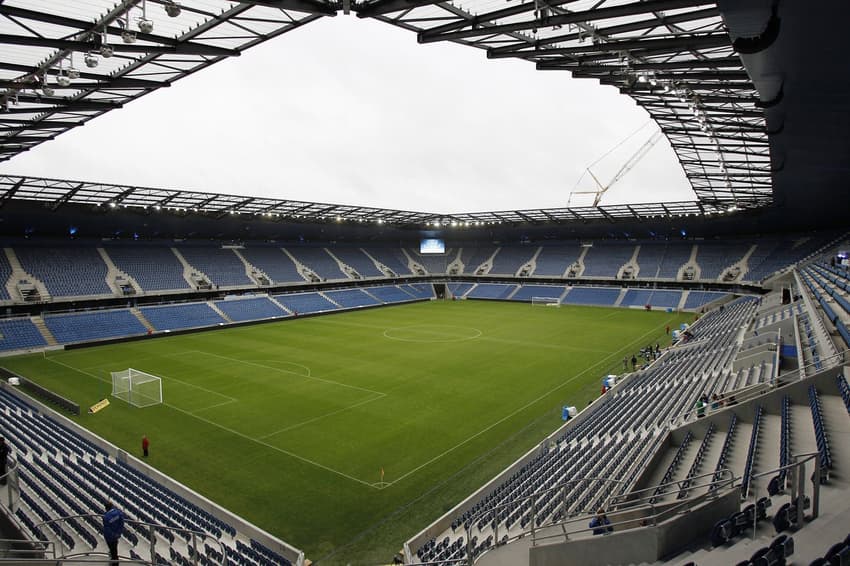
{"x":239,"y":434}
{"x":320,"y":417}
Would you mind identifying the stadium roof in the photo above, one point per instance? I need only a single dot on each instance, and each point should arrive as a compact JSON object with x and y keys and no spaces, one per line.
{"x":63,"y":63}
{"x":56,"y":193}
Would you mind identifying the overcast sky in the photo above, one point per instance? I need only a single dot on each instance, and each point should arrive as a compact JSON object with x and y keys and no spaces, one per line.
{"x":354,"y":111}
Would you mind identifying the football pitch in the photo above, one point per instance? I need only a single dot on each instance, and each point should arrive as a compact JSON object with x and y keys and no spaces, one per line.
{"x":346,"y":434}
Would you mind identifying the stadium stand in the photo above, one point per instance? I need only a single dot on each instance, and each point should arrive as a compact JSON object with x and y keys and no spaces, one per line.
{"x":393,"y":258}
{"x":419,"y":290}
{"x":5,"y":275}
{"x":510,"y":258}
{"x":351,"y":298}
{"x":602,"y":296}
{"x":460,"y":289}
{"x":19,"y":334}
{"x":713,"y":257}
{"x":697,"y":299}
{"x":175,"y":317}
{"x":305,"y":303}
{"x":662,"y":260}
{"x":88,"y":326}
{"x":222,"y":266}
{"x":472,"y":258}
{"x":653,"y":297}
{"x":68,"y":271}
{"x":391,"y":294}
{"x":256,"y":308}
{"x":274,"y":263}
{"x":62,"y":473}
{"x":319,"y":261}
{"x":155,"y":268}
{"x":553,"y":260}
{"x":605,"y":259}
{"x":528,"y":292}
{"x":435,"y":264}
{"x":491,"y":291}
{"x":358,"y":261}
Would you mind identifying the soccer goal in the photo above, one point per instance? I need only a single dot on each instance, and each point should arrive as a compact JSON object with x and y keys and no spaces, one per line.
{"x":138,"y":388}
{"x":546,"y":302}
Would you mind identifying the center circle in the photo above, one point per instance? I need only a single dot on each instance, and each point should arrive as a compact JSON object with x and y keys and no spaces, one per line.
{"x":432,"y":333}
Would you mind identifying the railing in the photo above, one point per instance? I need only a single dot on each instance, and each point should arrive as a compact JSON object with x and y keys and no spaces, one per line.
{"x":196,"y":537}
{"x":13,"y":491}
{"x":797,"y":473}
{"x":745,"y":394}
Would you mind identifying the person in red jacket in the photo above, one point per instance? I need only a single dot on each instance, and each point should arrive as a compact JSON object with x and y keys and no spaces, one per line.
{"x":145,"y":445}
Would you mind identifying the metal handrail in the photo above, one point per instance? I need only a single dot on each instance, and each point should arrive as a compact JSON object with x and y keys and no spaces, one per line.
{"x":151,"y":527}
{"x":627,"y":499}
{"x":795,"y":467}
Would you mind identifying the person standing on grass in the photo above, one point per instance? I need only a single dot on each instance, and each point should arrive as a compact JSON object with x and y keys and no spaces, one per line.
{"x":113,"y":527}
{"x":145,"y":445}
{"x":4,"y":457}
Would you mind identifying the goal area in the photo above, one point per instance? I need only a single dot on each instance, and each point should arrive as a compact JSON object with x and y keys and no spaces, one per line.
{"x":138,"y":388}
{"x":546,"y":302}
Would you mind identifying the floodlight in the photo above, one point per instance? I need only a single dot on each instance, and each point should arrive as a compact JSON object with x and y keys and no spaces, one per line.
{"x":145,"y":25}
{"x":63,"y":80}
{"x":172,"y":8}
{"x":128,"y":36}
{"x":106,"y":51}
{"x":47,"y":90}
{"x":91,"y":60}
{"x":73,"y":73}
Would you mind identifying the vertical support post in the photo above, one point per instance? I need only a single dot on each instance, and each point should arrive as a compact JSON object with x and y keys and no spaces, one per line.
{"x":816,"y":490}
{"x":533,"y":519}
{"x":152,"y":539}
{"x":496,"y":528}
{"x":469,"y":557}
{"x":194,"y":549}
{"x":801,"y":491}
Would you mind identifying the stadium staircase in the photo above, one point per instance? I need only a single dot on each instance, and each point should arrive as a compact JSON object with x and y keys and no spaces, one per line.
{"x":253,"y":272}
{"x":220,"y":312}
{"x":38,"y":322}
{"x":330,"y":300}
{"x":303,"y":270}
{"x":19,"y":274}
{"x":349,"y":271}
{"x":138,"y":314}
{"x":113,"y":275}
{"x":190,"y":274}
{"x":738,"y":270}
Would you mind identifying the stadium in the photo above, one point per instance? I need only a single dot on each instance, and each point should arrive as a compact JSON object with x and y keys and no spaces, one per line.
{"x":254,"y":380}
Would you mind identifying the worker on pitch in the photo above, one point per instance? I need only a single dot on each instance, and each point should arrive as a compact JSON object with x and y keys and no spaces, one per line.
{"x":145,"y":445}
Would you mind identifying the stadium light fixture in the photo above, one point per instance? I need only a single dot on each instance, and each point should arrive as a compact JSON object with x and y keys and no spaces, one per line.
{"x":145,"y":24}
{"x":91,"y":60}
{"x":172,"y":8}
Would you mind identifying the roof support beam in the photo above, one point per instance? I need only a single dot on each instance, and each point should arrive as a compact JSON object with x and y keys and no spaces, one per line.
{"x":308,"y":6}
{"x":381,"y":7}
{"x":177,"y":48}
{"x":441,"y":33}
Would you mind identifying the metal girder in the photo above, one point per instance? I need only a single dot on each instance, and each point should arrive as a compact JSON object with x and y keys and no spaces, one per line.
{"x":445,"y":32}
{"x":186,"y":48}
{"x":381,"y":7}
{"x":309,"y":6}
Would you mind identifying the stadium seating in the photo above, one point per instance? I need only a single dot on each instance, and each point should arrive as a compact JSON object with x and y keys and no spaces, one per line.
{"x":390,"y":294}
{"x":491,"y":291}
{"x":154,"y":267}
{"x":528,"y":292}
{"x":68,"y":271}
{"x":222,"y":266}
{"x":274,"y":263}
{"x":256,"y":308}
{"x":662,"y":260}
{"x":511,"y":258}
{"x":5,"y":274}
{"x":19,"y":334}
{"x":319,"y":261}
{"x":553,"y":260}
{"x":602,"y":296}
{"x":697,"y":299}
{"x":472,"y":258}
{"x":419,"y":290}
{"x":460,"y":289}
{"x":655,"y":298}
{"x":351,"y":298}
{"x":605,"y":259}
{"x":435,"y":264}
{"x":359,"y":261}
{"x":175,"y":317}
{"x":61,"y":474}
{"x":305,"y":303}
{"x":97,"y":325}
{"x":713,"y":257}
{"x":393,"y":258}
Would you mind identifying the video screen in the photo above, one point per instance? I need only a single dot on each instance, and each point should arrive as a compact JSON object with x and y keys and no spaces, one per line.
{"x":432,"y":246}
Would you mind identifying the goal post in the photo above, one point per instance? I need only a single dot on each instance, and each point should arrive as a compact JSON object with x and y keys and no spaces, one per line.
{"x":546,"y":302}
{"x":136,"y":387}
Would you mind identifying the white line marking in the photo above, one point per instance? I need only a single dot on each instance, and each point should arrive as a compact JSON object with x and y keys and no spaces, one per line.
{"x":214,"y":406}
{"x":329,"y":381}
{"x":442,"y":336}
{"x":477,"y":434}
{"x":237,"y":433}
{"x":320,"y":417}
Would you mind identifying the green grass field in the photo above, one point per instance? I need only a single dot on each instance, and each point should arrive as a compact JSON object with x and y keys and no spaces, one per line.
{"x":289,"y":424}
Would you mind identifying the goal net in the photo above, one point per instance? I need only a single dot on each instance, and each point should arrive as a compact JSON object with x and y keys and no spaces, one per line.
{"x":546,"y":302}
{"x":138,"y":388}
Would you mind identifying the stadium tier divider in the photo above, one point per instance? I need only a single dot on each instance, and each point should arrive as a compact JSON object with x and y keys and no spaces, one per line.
{"x":65,"y":470}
